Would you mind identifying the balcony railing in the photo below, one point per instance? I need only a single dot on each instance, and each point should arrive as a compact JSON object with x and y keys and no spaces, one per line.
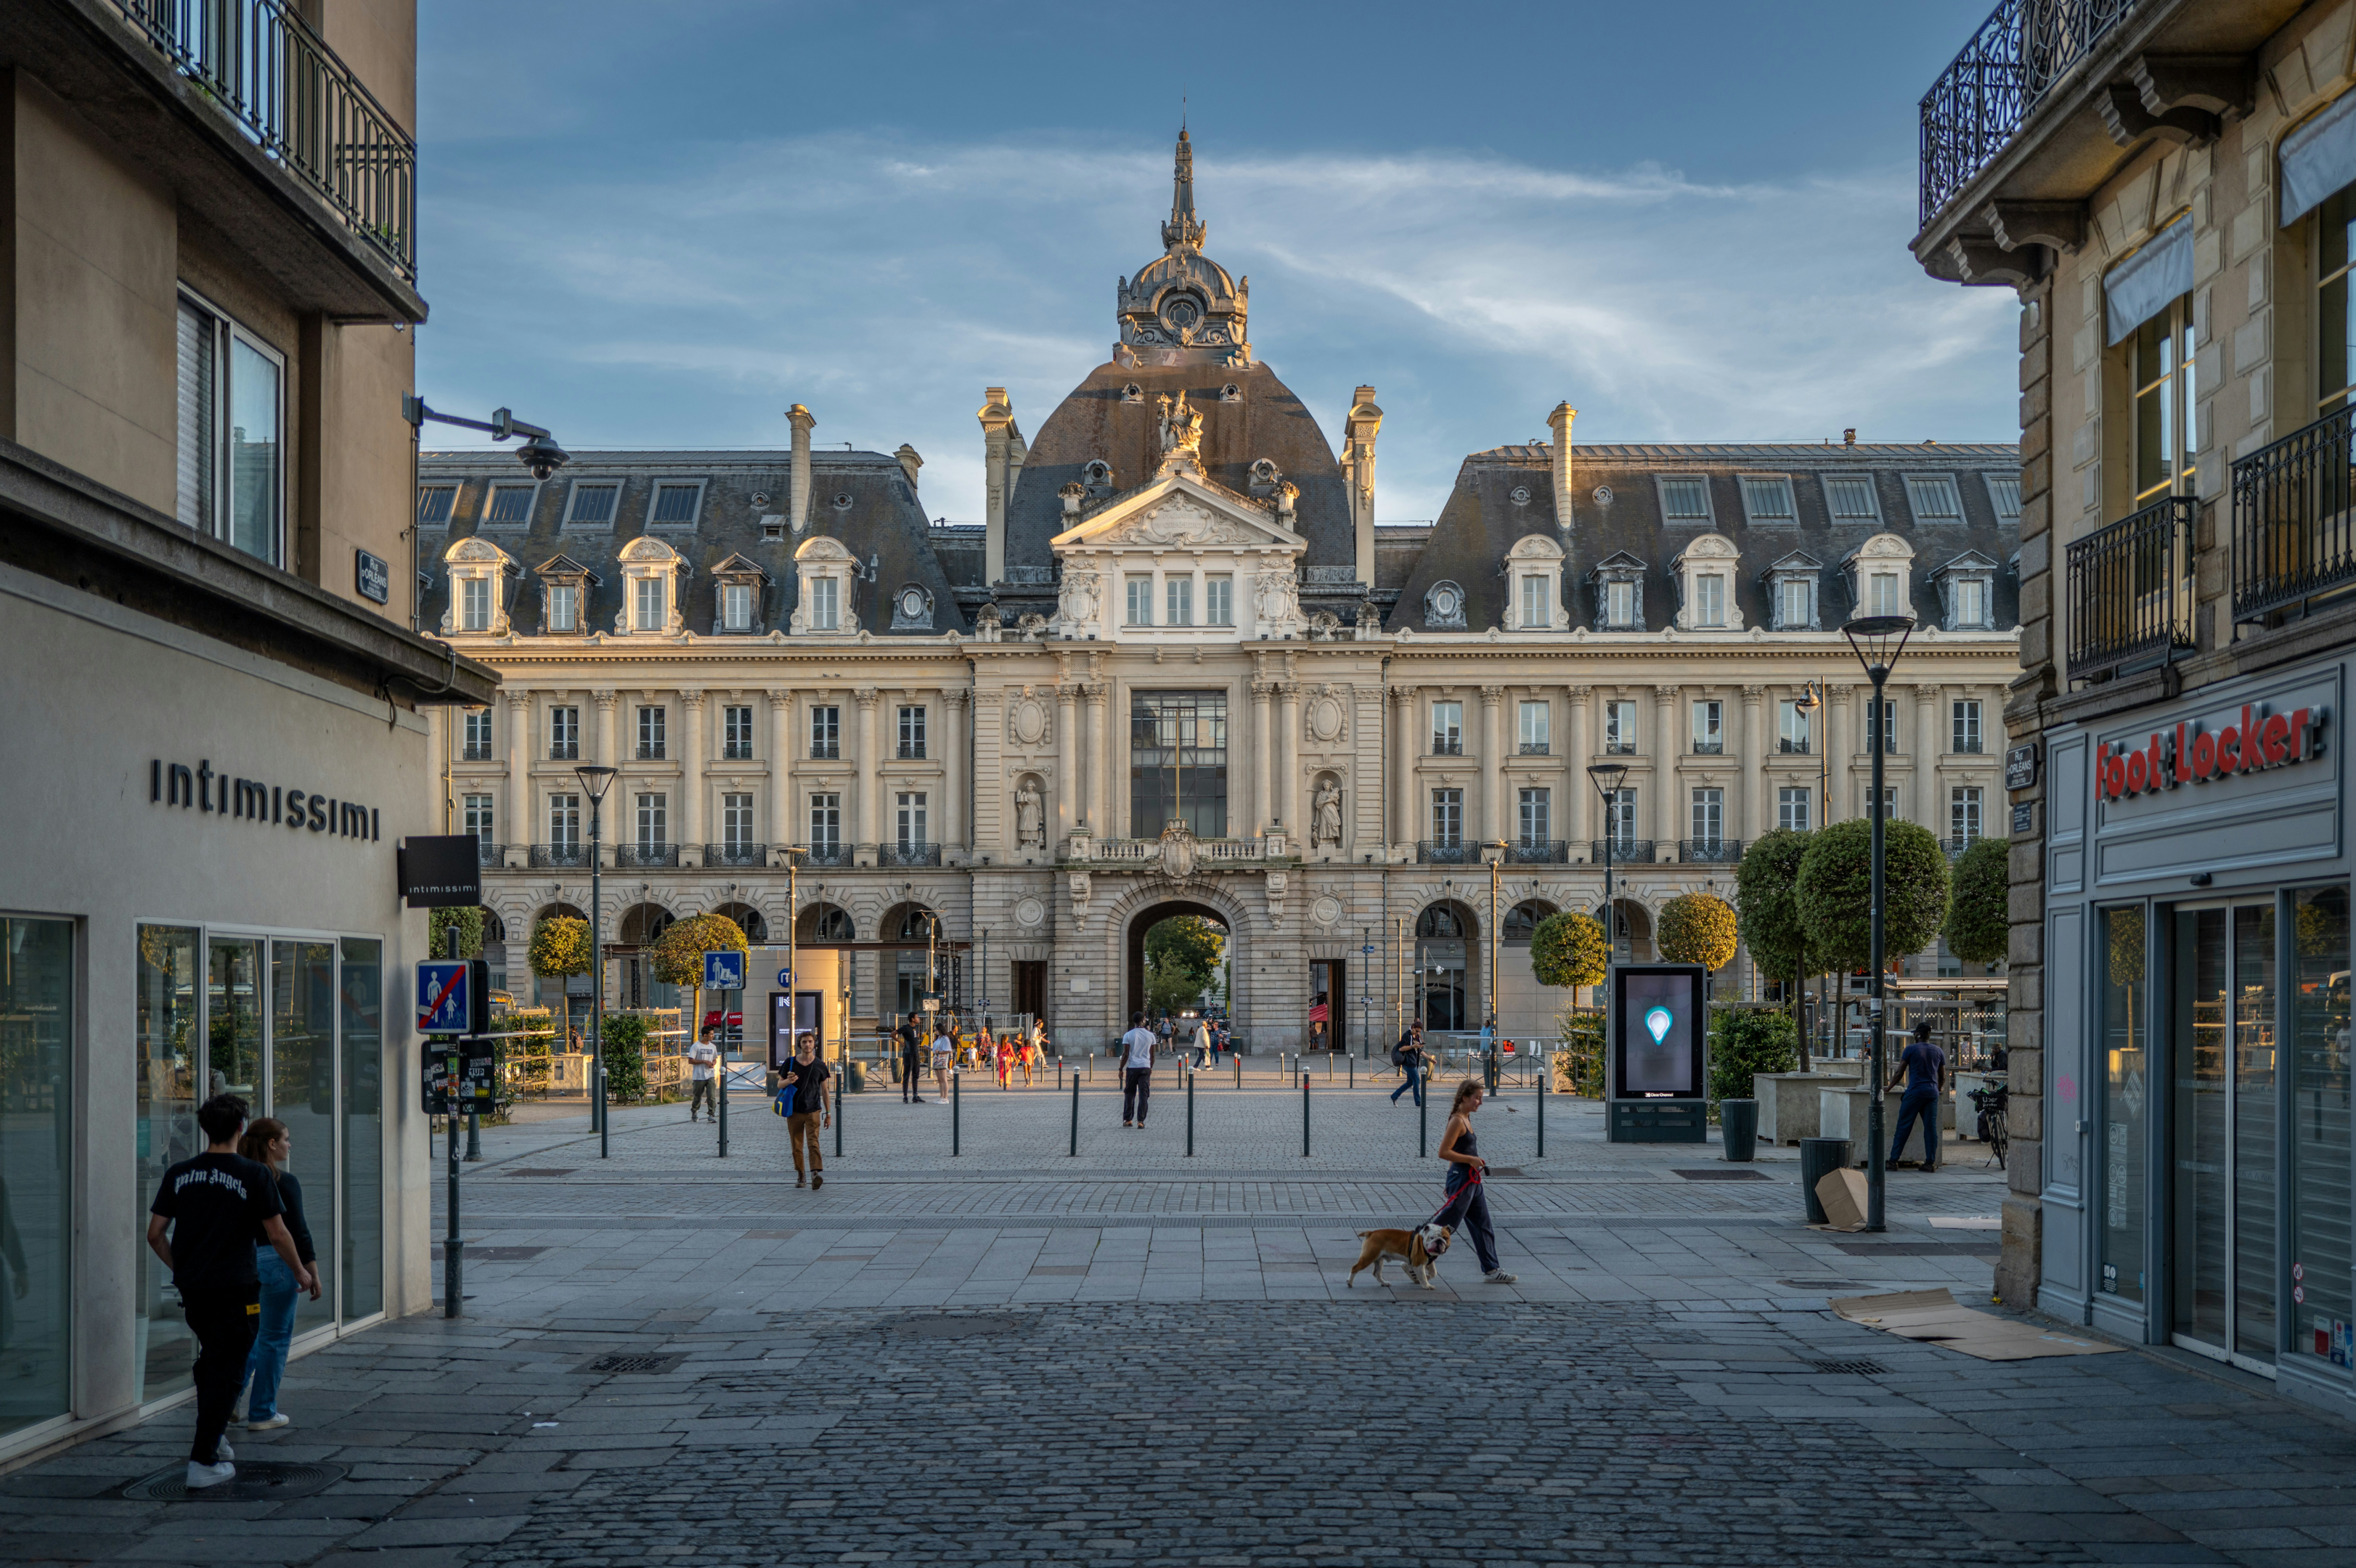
{"x":1537,"y":852}
{"x":1709,"y":748}
{"x":1443,"y":747}
{"x":826,"y":751}
{"x":736,"y":752}
{"x":1537,"y":749}
{"x":1709,"y":851}
{"x":735,"y":854}
{"x":475,"y":751}
{"x":2294,"y":518}
{"x":651,"y":751}
{"x":2131,"y":590}
{"x":565,"y":751}
{"x":646,"y":855}
{"x":490,"y":854}
{"x":907,"y":854}
{"x":263,"y":64}
{"x":1624,"y":851}
{"x":837,"y":854}
{"x":564,"y":854}
{"x":912,"y":751}
{"x":1447,"y":852}
{"x":1205,"y":849}
{"x":1983,"y":98}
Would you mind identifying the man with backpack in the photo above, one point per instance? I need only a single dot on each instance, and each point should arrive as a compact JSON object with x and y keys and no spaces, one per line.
{"x":1407,"y":1057}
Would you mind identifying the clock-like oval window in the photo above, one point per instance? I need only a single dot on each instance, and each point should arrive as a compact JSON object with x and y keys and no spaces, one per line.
{"x":912,"y":604}
{"x":1444,"y":602}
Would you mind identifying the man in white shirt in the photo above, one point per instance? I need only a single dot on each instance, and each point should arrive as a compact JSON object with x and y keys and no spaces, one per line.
{"x":1137,"y":1071}
{"x":702,"y":1056}
{"x":1201,"y":1042}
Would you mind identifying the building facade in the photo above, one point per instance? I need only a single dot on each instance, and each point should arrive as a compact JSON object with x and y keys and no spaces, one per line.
{"x":1179,"y":668}
{"x":209,"y":678}
{"x":2168,"y":186}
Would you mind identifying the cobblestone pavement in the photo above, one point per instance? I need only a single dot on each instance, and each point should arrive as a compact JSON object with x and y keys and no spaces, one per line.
{"x":1021,"y":1356}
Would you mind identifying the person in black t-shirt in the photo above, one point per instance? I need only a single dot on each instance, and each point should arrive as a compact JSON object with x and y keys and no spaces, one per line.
{"x":805,"y":1079}
{"x":912,"y":1062}
{"x":215,"y":1207}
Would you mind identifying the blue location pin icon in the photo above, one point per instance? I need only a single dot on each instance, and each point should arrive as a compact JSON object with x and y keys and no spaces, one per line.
{"x":1657,"y":1021}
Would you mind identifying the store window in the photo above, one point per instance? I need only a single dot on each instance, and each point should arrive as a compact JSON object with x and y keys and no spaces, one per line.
{"x":37,"y":1026}
{"x":301,"y":1094}
{"x":2222,"y":1284}
{"x":2320,"y":1216}
{"x":167,"y":1047}
{"x":361,"y":991}
{"x":2126,"y":1099}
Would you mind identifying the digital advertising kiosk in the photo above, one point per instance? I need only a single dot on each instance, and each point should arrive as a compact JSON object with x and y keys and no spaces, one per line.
{"x":1658,"y":1026}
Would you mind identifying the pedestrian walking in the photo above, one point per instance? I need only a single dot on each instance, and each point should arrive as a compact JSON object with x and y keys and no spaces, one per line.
{"x":1137,"y":1071}
{"x":269,"y":1144}
{"x":1924,"y":1067}
{"x":1407,"y":1057}
{"x":810,"y":1107}
{"x":1201,"y":1042}
{"x":207,"y":1213}
{"x":702,"y":1057}
{"x":1004,"y":1051}
{"x":944,"y":1059}
{"x":913,"y":1052}
{"x":1468,"y":1206}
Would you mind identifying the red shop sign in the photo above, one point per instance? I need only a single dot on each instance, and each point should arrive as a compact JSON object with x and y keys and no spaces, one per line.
{"x":2187,"y":754}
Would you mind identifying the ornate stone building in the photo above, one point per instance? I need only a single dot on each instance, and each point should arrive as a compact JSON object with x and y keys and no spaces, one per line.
{"x":1181,"y":668}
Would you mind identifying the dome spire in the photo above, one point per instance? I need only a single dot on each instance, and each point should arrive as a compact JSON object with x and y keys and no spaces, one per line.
{"x":1185,"y":230}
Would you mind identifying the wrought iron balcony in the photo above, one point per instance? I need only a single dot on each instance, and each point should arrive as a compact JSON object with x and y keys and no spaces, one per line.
{"x":1535,"y":749}
{"x":1990,"y":90}
{"x":565,"y":751}
{"x":912,"y":751}
{"x":651,"y":751}
{"x":1443,"y":747}
{"x":1537,"y":852}
{"x":1709,"y":851}
{"x":832,"y":854}
{"x":907,"y":854}
{"x":2131,"y":589}
{"x":490,"y":854}
{"x":1624,"y":851}
{"x":646,"y":855}
{"x":475,"y":751}
{"x":1447,"y":852}
{"x":736,"y":854}
{"x":826,"y":751}
{"x":263,"y":64}
{"x":1709,"y":748}
{"x":736,"y":752}
{"x":562,"y":855}
{"x":1619,"y":748}
{"x":2294,"y":518}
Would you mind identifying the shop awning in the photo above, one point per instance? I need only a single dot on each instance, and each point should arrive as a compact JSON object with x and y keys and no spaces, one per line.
{"x":2149,"y":280}
{"x":2318,"y":159}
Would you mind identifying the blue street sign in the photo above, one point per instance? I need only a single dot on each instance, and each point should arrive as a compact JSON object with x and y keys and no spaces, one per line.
{"x":442,"y":998}
{"x":786,"y":978}
{"x":724,"y":971}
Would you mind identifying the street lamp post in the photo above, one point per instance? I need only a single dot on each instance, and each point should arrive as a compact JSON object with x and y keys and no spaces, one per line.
{"x":1812,"y":702}
{"x":1494,"y":853}
{"x":596,"y":780}
{"x":1608,"y":777}
{"x":1878,"y":640}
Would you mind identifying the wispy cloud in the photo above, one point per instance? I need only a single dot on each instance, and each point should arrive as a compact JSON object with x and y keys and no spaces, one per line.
{"x":884,"y":282}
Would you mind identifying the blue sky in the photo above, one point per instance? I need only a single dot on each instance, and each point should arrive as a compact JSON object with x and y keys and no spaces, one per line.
{"x":658,"y":225}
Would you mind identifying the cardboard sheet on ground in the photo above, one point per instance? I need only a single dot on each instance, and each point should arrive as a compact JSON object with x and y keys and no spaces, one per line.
{"x":1934,"y":1316}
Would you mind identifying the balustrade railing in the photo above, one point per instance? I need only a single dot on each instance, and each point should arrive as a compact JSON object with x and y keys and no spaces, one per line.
{"x":1447,"y":852}
{"x":646,"y":855}
{"x":2130,"y":587}
{"x":560,"y":855}
{"x":1709,"y":851}
{"x":1624,"y":851}
{"x":2294,"y":518}
{"x":735,"y":853}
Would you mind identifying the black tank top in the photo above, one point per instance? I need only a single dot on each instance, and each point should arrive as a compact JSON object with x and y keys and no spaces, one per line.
{"x":1466,"y":1142}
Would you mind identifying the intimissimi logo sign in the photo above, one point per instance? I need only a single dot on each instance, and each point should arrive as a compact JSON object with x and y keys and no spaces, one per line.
{"x":2189,"y":754}
{"x":251,"y":800}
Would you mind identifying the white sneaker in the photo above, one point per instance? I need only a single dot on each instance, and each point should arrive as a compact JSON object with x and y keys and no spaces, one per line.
{"x":1499,"y":1276}
{"x":221,"y":1450}
{"x":271,"y":1423}
{"x":203,"y":1476}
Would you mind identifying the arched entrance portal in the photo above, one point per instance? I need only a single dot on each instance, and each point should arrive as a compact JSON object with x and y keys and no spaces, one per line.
{"x":1447,"y":941}
{"x":1145,"y":920}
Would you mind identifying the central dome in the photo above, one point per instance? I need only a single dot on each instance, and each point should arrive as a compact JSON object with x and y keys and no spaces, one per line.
{"x":1182,"y":308}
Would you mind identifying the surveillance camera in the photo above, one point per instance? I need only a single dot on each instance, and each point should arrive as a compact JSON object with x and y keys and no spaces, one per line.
{"x":543,"y":457}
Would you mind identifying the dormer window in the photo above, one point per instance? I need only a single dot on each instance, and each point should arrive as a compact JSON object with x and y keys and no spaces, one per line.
{"x":563,"y":609}
{"x":1619,"y":581}
{"x":654,"y":577}
{"x":1880,"y":576}
{"x":1933,"y":499}
{"x":1704,"y":573}
{"x":1534,"y":568}
{"x":1685,"y":503}
{"x":1767,"y":499}
{"x":1851,"y":499}
{"x":735,"y":606}
{"x":509,"y":506}
{"x":565,"y":596}
{"x":912,"y":609}
{"x":2004,"y":496}
{"x":1097,"y":475}
{"x":435,"y":505}
{"x":479,"y":574}
{"x":826,"y":614}
{"x":1791,"y":585}
{"x":824,"y":606}
{"x":591,"y":503}
{"x":737,"y":585}
{"x":676,"y":503}
{"x":1443,"y":608}
{"x":1967,"y":592}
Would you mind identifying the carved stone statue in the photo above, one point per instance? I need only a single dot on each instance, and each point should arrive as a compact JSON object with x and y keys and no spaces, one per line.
{"x":1325,"y":816}
{"x":1181,"y":427}
{"x":1276,"y":600}
{"x":1078,"y":607}
{"x":1030,"y":817}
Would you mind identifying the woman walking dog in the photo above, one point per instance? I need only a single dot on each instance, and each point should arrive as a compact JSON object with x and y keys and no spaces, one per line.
{"x":1468,"y":1207}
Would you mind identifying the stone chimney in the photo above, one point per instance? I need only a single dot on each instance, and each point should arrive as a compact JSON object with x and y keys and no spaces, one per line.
{"x":1001,"y":459}
{"x":799,"y":504}
{"x":1359,"y":428}
{"x":909,"y":462}
{"x":1558,"y":421}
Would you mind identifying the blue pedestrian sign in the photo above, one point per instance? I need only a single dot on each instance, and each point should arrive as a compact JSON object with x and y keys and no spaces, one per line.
{"x":724,"y":971}
{"x":444,"y":1005}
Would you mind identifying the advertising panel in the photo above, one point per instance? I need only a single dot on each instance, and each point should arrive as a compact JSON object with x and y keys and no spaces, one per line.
{"x":1657,"y":1031}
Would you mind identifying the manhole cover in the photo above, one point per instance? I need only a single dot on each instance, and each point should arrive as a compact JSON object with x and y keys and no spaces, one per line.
{"x":952,"y":1327}
{"x":618,"y":1365}
{"x":1723,"y":1173}
{"x":257,"y":1481}
{"x":1860,"y":1369}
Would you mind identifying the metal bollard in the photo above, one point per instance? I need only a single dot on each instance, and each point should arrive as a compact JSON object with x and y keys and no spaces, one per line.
{"x":1190,"y":1116}
{"x":1423,"y":1118}
{"x":1543,"y":1066}
{"x":1329,"y":1067}
{"x":1304,"y":1115}
{"x":1238,"y":1064}
{"x":1076,"y":1116}
{"x":1353,"y":1073}
{"x":957,"y":1081}
{"x":842,"y":1083}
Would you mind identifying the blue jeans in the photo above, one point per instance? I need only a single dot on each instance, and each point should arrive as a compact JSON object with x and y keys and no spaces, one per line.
{"x":1414,"y":1082}
{"x":266,"y":1363}
{"x":1468,"y":1211}
{"x":1923,"y":1102}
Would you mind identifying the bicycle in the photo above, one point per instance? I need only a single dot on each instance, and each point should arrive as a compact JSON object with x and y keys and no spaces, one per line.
{"x":1989,"y":1100}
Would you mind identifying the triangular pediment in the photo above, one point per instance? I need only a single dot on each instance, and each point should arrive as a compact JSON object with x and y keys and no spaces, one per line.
{"x":740,"y":566}
{"x":1179,"y":512}
{"x":1970,"y":561}
{"x":563,"y":566}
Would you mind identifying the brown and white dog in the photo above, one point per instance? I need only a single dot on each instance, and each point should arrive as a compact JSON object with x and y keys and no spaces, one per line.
{"x":1418,"y":1249}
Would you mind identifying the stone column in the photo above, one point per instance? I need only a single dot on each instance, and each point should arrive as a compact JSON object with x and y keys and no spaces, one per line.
{"x":1492,"y":766}
{"x":1262,"y":799}
{"x":868,"y":827}
{"x":603,"y":747}
{"x":1756,"y":819}
{"x":690,"y":809}
{"x":1929,"y":809}
{"x":516,"y":828}
{"x":1663,"y":753}
{"x":1581,"y":744}
{"x":1104,"y":815}
{"x":1288,"y":740}
{"x":1067,"y":766}
{"x":953,"y":835}
{"x":783,"y":829}
{"x":1403,"y":748}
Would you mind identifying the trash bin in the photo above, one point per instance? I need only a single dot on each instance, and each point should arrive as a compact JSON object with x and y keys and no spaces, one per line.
{"x":1819,"y":1157}
{"x":854,"y":1073}
{"x":1738,"y":1122}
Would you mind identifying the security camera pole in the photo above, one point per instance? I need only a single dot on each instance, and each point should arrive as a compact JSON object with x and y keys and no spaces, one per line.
{"x":540,"y":454}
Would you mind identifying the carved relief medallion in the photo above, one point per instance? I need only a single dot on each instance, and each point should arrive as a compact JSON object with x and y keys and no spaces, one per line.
{"x":1029,"y":911}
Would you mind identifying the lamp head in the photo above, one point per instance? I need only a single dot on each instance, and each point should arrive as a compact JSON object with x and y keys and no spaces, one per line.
{"x":543,"y":457}
{"x":596,"y":779}
{"x":1493,"y":852}
{"x":1607,"y":776}
{"x":1878,"y":640}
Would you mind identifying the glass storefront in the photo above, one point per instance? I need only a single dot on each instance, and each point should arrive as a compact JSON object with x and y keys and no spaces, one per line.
{"x":2320,"y":1216}
{"x":361,"y":1211}
{"x":169,"y":1046}
{"x":2221,"y":1129}
{"x":2126,"y":1023}
{"x":36,"y":990}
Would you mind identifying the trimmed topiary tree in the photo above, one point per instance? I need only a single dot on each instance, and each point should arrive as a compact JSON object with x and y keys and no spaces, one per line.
{"x":1769,"y":914}
{"x":626,"y":1055}
{"x":1834,"y":892}
{"x":1569,"y":949}
{"x":679,"y":951}
{"x":1698,"y":928}
{"x":466,"y":923}
{"x":559,"y":947}
{"x":1748,"y":1041}
{"x":1979,"y":917}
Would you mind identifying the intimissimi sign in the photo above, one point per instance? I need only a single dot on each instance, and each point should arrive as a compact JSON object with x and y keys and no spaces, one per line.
{"x":2255,"y":740}
{"x":251,"y":800}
